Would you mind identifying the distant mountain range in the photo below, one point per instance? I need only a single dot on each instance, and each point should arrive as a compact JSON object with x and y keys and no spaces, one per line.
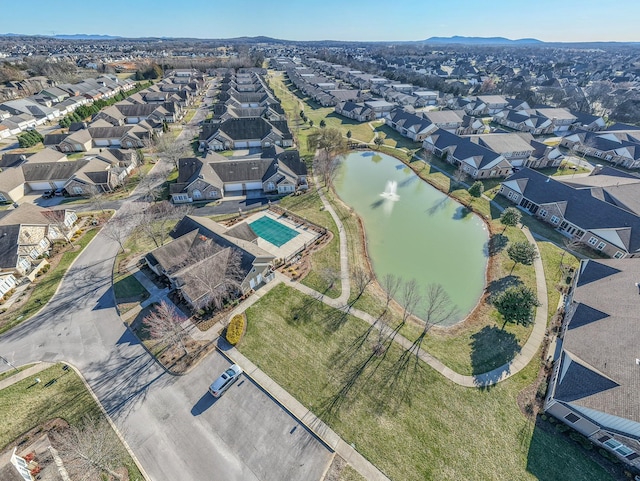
{"x":75,"y":36}
{"x":482,"y":40}
{"x":456,"y":39}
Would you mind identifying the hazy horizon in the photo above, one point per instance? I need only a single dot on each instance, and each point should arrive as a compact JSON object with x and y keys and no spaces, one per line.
{"x":356,"y":20}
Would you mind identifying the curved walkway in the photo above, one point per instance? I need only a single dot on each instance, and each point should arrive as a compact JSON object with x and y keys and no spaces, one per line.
{"x":345,"y":281}
{"x":490,"y":378}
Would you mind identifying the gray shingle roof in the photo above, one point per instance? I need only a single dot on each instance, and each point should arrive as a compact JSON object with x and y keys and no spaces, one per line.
{"x":582,"y":208}
{"x":9,"y":246}
{"x":602,"y":338}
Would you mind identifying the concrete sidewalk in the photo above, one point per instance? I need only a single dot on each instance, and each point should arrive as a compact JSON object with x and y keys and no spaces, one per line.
{"x":19,"y":376}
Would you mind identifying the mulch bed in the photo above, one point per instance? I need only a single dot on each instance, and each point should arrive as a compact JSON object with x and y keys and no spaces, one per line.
{"x":177,"y":362}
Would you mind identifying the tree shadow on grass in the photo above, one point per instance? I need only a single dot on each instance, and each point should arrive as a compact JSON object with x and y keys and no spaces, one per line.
{"x":494,"y":210}
{"x":491,"y":350}
{"x":496,"y":287}
{"x":496,"y":244}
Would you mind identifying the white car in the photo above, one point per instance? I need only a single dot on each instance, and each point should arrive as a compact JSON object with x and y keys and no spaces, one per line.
{"x":225,"y":380}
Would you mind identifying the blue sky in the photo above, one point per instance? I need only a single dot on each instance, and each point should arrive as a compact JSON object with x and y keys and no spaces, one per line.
{"x":549,"y":20}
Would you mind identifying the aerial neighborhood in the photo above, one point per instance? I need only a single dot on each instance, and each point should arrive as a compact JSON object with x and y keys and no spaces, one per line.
{"x":253,"y":259}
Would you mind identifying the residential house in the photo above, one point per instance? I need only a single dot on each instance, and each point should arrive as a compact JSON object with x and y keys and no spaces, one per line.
{"x":380,"y":107}
{"x":409,"y":125}
{"x":513,"y":147}
{"x":355,"y":111}
{"x":619,"y":147}
{"x":476,"y":160}
{"x":210,"y":242}
{"x":274,"y":172}
{"x":27,"y":232}
{"x":587,"y":215}
{"x":242,"y":133}
{"x":525,"y":121}
{"x":593,"y":388}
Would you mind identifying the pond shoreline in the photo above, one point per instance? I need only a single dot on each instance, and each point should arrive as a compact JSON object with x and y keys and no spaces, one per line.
{"x":440,"y":212}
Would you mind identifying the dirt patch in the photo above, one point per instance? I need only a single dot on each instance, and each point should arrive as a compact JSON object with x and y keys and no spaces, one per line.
{"x":335,"y":470}
{"x":27,"y":438}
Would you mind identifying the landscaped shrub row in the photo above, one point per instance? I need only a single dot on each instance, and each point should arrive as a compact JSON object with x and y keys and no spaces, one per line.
{"x":30,"y":138}
{"x":85,"y":111}
{"x":236,"y":329}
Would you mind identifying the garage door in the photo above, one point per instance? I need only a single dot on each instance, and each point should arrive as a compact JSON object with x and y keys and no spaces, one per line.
{"x":102,"y":142}
{"x":254,"y":185}
{"x":254,"y":143}
{"x":233,"y":188}
{"x":60,"y":183}
{"x":241,"y":145}
{"x":39,"y":185}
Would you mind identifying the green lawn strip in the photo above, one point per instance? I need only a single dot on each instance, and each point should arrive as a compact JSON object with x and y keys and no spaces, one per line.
{"x":127,"y":287}
{"x":7,"y":374}
{"x":27,"y":404}
{"x":445,"y":432}
{"x":189,"y":116}
{"x":553,"y":258}
{"x":293,"y":104}
{"x":46,"y":286}
{"x":308,"y":206}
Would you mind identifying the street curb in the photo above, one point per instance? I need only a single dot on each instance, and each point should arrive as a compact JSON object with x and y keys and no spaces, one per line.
{"x":62,"y":278}
{"x":47,"y":365}
{"x":111,"y":423}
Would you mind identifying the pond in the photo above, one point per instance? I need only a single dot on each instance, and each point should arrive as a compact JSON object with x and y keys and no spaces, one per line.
{"x":413,"y":230}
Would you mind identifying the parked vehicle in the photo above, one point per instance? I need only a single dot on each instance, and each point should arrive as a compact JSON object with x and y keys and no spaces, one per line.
{"x":47,"y":194}
{"x":225,"y":381}
{"x":60,"y":192}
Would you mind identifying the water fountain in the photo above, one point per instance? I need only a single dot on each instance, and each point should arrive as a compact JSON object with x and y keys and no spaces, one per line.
{"x":390,"y":191}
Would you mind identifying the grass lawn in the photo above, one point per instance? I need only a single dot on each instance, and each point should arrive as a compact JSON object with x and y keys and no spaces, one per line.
{"x":46,"y":285}
{"x":293,"y":104}
{"x":25,"y":405}
{"x":308,"y":206}
{"x":190,"y":114}
{"x":425,"y":427}
{"x":128,"y":287}
{"x":564,"y":169}
{"x":557,"y":263}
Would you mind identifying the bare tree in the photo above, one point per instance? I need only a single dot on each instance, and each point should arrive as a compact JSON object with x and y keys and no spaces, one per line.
{"x":120,"y":227}
{"x":96,"y":198}
{"x":165,"y":326}
{"x":156,"y":219}
{"x":173,"y":149}
{"x":212,"y":275}
{"x":329,"y":275}
{"x":438,"y":308}
{"x":90,"y":450}
{"x":150,"y":185}
{"x":330,"y":145}
{"x":390,"y":284}
{"x":361,"y":280}
{"x":460,"y":175}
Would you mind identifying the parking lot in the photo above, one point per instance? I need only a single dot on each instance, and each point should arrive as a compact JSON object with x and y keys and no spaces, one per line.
{"x":250,"y":436}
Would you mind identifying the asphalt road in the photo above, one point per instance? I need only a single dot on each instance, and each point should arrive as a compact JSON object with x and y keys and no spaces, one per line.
{"x":174,"y":427}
